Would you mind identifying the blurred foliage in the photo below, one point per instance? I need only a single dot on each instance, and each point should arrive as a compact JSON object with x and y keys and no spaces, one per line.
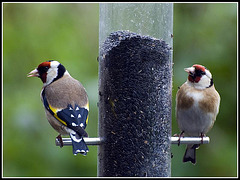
{"x":35,"y":32}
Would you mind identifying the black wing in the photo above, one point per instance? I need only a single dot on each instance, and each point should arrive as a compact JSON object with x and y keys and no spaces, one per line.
{"x":74,"y":118}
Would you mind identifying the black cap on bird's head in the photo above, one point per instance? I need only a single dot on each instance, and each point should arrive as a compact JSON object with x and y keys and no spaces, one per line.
{"x":48,"y":71}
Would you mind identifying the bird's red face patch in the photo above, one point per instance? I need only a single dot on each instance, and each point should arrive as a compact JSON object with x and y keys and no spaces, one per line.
{"x":197,"y":79}
{"x":42,"y":70}
{"x":190,"y":78}
{"x":194,"y":79}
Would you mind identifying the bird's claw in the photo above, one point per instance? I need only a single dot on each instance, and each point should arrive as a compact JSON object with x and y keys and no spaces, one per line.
{"x":180,"y":135}
{"x":59,"y":137}
{"x":202,"y":135}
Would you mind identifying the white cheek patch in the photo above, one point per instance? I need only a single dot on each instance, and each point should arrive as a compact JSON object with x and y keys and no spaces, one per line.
{"x":51,"y":75}
{"x":203,"y":83}
{"x":208,"y":74}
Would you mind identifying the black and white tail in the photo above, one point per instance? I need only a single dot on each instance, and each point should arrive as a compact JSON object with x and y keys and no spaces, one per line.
{"x":79,"y":145}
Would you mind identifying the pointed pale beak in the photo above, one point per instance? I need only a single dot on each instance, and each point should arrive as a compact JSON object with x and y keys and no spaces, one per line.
{"x":33,"y":73}
{"x":189,"y":70}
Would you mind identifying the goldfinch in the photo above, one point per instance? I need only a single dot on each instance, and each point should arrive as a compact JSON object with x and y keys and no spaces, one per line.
{"x":197,"y":105}
{"x":66,"y":103}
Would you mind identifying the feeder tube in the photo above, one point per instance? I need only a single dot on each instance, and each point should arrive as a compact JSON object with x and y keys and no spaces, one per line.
{"x":135,"y":89}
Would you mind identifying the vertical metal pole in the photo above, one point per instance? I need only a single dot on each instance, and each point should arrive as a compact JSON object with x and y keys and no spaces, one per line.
{"x":135,"y":89}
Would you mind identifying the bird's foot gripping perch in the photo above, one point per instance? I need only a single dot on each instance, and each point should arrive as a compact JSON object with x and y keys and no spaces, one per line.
{"x":179,"y":136}
{"x":59,"y":138}
{"x":202,"y":135}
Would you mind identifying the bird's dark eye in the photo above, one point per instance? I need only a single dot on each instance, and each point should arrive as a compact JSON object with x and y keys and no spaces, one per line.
{"x":43,"y":69}
{"x":46,"y":68}
{"x":199,"y":73}
{"x":202,"y":72}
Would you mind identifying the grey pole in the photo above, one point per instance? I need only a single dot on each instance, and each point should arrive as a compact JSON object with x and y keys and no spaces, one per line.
{"x":135,"y":89}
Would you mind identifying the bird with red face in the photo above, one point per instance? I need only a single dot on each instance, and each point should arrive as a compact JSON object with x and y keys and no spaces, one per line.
{"x":197,"y":106}
{"x":66,"y":103}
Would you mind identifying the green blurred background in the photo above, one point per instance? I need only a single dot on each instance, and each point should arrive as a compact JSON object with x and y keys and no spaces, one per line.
{"x":204,"y":33}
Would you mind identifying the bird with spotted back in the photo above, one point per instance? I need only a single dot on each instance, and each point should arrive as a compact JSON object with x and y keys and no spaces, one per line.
{"x":197,"y":106}
{"x":66,"y":103}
